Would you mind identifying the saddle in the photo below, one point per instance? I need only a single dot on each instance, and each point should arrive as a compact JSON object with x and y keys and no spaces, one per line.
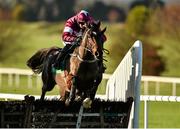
{"x":62,"y":55}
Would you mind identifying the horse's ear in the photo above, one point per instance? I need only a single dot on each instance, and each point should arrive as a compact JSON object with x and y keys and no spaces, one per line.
{"x":90,"y":25}
{"x":103,"y":30}
{"x":98,"y":23}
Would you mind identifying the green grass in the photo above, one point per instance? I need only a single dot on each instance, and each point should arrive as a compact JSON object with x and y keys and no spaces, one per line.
{"x":161,"y":115}
{"x":37,"y":36}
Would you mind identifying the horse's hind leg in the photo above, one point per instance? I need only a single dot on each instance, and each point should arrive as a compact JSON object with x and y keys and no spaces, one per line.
{"x":43,"y":93}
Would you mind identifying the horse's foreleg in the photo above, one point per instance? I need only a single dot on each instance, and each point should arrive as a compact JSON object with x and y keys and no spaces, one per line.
{"x":96,"y":83}
{"x":73,"y":88}
{"x":90,"y":93}
{"x":71,"y":96}
{"x":93,"y":92}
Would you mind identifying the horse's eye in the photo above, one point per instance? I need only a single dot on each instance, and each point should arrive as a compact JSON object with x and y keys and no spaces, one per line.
{"x":97,"y":53}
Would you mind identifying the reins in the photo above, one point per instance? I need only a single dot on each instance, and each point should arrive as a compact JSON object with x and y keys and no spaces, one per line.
{"x":86,"y":61}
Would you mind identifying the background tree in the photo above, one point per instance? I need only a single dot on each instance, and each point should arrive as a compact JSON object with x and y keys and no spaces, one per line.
{"x":164,"y":31}
{"x":137,"y":26}
{"x":136,"y":20}
{"x":18,"y":12}
{"x":153,"y":63}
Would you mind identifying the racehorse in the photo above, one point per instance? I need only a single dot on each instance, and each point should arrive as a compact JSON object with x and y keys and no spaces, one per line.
{"x":82,"y":69}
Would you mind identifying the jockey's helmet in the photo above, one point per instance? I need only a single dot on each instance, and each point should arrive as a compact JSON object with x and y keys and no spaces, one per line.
{"x":82,"y":16}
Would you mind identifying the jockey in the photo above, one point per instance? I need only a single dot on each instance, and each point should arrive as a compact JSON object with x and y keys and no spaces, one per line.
{"x":72,"y":34}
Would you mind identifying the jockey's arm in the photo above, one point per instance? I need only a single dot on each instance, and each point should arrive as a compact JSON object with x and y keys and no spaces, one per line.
{"x":67,"y":37}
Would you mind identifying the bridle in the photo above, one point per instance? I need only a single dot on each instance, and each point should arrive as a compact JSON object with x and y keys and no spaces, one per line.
{"x":95,"y":58}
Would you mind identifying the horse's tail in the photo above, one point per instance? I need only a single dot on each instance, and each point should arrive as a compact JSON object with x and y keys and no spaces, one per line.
{"x":36,"y":62}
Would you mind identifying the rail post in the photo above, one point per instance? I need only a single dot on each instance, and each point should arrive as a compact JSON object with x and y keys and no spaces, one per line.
{"x":145,"y":114}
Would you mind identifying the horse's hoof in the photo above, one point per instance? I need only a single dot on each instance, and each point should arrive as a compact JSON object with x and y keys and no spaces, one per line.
{"x":87,"y":103}
{"x":67,"y":102}
{"x":78,"y":98}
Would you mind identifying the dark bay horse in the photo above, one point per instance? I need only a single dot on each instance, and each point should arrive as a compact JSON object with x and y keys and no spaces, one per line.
{"x":82,"y":73}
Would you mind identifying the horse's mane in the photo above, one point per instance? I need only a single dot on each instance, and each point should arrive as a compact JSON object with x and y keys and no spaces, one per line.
{"x":36,"y":61}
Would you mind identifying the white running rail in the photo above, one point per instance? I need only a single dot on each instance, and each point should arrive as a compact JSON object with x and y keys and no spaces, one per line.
{"x":14,"y":74}
{"x":147,"y":98}
{"x":13,"y":78}
{"x":160,"y":81}
{"x":125,"y":81}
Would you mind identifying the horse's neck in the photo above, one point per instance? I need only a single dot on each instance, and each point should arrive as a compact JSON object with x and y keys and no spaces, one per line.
{"x":83,"y":45}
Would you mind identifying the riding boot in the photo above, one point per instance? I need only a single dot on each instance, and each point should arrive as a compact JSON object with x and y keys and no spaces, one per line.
{"x":61,"y":56}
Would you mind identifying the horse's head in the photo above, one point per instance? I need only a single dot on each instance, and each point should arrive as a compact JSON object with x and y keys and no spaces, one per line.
{"x":93,"y":39}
